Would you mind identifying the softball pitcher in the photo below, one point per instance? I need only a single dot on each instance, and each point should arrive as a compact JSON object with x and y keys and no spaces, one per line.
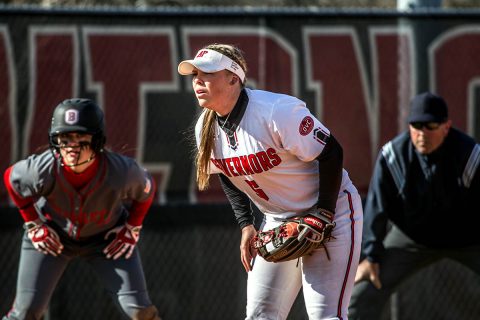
{"x":74,"y":199}
{"x":269,"y":149}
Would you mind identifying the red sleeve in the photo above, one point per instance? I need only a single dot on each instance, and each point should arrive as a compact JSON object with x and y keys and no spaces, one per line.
{"x":139,"y":210}
{"x":24,"y":205}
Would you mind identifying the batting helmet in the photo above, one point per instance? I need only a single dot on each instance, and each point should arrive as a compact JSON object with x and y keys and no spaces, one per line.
{"x":78,"y":115}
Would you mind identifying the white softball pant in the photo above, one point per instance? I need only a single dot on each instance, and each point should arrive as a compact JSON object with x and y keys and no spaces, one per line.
{"x":327,"y":283}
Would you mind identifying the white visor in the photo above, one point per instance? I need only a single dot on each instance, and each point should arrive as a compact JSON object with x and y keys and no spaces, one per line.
{"x":210,"y":61}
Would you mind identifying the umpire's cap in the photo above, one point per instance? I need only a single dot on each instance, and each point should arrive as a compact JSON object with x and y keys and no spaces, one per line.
{"x":428,"y":107}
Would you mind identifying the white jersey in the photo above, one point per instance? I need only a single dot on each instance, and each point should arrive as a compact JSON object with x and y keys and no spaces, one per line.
{"x":270,"y":156}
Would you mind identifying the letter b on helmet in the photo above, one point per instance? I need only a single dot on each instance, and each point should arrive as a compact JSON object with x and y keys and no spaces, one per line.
{"x":78,"y":115}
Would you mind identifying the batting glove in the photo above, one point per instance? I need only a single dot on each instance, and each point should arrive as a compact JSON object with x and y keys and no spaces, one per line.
{"x":126,"y":238}
{"x":44,"y":238}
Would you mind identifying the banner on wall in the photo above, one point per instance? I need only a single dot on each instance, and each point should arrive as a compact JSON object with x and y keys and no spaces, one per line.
{"x":357,"y":74}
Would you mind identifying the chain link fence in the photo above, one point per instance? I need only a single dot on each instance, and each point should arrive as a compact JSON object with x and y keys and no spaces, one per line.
{"x":191,"y":261}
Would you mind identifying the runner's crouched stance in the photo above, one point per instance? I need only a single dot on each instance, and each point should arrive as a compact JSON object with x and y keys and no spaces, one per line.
{"x":72,"y":198}
{"x":270,"y":150}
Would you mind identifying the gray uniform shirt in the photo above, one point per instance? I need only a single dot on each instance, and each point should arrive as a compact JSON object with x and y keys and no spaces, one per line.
{"x":97,"y":207}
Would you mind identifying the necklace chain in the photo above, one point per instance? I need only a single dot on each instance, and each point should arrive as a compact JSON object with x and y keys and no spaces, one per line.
{"x":225,"y":122}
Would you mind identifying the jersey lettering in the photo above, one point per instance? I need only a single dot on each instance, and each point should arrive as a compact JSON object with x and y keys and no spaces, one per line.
{"x":257,"y":189}
{"x":274,"y":157}
{"x":246,"y":164}
{"x":252,"y":158}
{"x":229,"y":166}
{"x":218,"y":164}
{"x":238,"y":168}
{"x":264,"y":161}
{"x":249,"y":164}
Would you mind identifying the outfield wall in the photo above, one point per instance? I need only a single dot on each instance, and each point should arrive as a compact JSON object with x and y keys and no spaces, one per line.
{"x":357,"y":71}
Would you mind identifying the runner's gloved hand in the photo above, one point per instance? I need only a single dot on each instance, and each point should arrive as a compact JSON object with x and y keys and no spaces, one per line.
{"x":126,"y":237}
{"x":44,"y":238}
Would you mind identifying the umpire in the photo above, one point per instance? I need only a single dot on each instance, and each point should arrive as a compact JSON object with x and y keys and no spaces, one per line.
{"x":423,"y":179}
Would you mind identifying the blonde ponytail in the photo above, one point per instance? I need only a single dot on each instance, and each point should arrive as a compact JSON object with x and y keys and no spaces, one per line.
{"x":205,"y":149}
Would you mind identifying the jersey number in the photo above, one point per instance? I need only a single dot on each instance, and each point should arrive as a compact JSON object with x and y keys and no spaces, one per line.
{"x":257,"y":189}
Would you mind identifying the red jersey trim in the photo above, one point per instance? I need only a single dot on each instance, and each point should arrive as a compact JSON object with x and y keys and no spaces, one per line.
{"x":24,"y":205}
{"x":139,"y":210}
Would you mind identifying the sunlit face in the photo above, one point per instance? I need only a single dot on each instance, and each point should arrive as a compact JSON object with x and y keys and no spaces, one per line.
{"x":213,"y":90}
{"x":75,"y":147}
{"x":428,"y":137}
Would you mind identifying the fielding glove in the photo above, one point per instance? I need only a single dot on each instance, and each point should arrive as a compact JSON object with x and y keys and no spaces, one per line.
{"x":294,"y":238}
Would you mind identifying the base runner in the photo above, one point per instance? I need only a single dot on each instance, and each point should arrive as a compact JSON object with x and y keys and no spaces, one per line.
{"x":72,"y":200}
